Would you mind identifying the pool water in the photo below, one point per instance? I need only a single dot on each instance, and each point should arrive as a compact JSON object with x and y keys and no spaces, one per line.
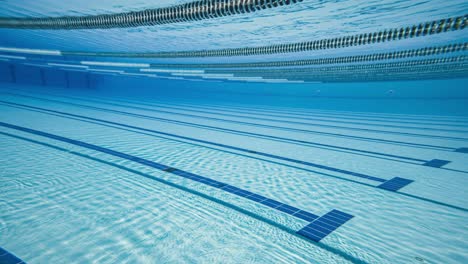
{"x":125,"y":158}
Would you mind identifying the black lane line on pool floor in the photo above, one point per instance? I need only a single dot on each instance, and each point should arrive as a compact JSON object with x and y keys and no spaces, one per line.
{"x":282,"y":139}
{"x":306,"y":113}
{"x":425,"y":162}
{"x":330,"y":117}
{"x":393,"y":184}
{"x":296,"y":212}
{"x":462,"y":150}
{"x":436,"y":163}
{"x":284,"y":128}
{"x":370,"y":116}
{"x":8,"y":258}
{"x":421,"y":121}
{"x":129,"y":129}
{"x":274,"y":138}
{"x":101,"y":101}
{"x":293,"y":113}
{"x":286,"y":229}
{"x":257,"y":115}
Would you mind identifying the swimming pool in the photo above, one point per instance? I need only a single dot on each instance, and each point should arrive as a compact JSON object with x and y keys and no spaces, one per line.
{"x":233,"y":132}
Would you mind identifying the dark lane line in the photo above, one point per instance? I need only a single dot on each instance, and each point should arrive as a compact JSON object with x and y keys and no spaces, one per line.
{"x":300,"y":142}
{"x":284,"y":128}
{"x":360,"y":175}
{"x":285,"y":208}
{"x":197,"y":193}
{"x":379,"y":115}
{"x":100,"y":121}
{"x":276,"y":120}
{"x":257,"y":112}
{"x":8,"y":258}
{"x":339,"y":115}
{"x":181,"y":139}
{"x":247,"y":156}
{"x":222,"y":112}
{"x":425,"y":162}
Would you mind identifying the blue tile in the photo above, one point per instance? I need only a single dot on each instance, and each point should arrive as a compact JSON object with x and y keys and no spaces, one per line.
{"x":462,"y":150}
{"x":338,"y":216}
{"x":216,"y":184}
{"x":340,"y":213}
{"x":323,"y":229}
{"x":222,"y":185}
{"x":244,"y":193}
{"x":306,"y":216}
{"x":288,"y":209}
{"x":436,"y":163}
{"x":271,"y":203}
{"x":189,"y":176}
{"x":206,"y":181}
{"x":322,"y":222}
{"x":395,"y":184}
{"x":230,"y":188}
{"x":312,"y":236}
{"x":327,"y":223}
{"x":317,"y":230}
{"x":230,"y":191}
{"x":197,"y":178}
{"x":256,"y":197}
{"x":237,"y":191}
{"x":185,"y":174}
{"x":8,"y":258}
{"x":336,"y":219}
{"x":169,"y":169}
{"x":324,"y":225}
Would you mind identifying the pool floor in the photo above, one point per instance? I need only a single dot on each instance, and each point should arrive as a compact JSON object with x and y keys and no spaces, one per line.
{"x":93,"y":177}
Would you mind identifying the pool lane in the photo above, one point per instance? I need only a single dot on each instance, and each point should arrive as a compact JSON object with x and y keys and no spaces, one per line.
{"x":341,"y":217}
{"x":327,"y":116}
{"x":436,"y":163}
{"x":314,"y":144}
{"x":119,"y":192}
{"x":8,"y":258}
{"x":360,"y":126}
{"x":331,"y":115}
{"x":111,"y":102}
{"x":311,"y":117}
{"x":363,"y":202}
{"x":292,"y":140}
{"x":236,"y":131}
{"x":393,"y":185}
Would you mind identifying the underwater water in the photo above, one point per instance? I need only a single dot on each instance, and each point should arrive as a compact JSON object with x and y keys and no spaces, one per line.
{"x":262,"y":132}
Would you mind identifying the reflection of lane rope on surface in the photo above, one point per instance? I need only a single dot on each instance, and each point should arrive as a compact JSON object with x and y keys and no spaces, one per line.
{"x":440,"y":68}
{"x":427,"y":51}
{"x":458,"y":61}
{"x":420,"y":30}
{"x":193,"y":11}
